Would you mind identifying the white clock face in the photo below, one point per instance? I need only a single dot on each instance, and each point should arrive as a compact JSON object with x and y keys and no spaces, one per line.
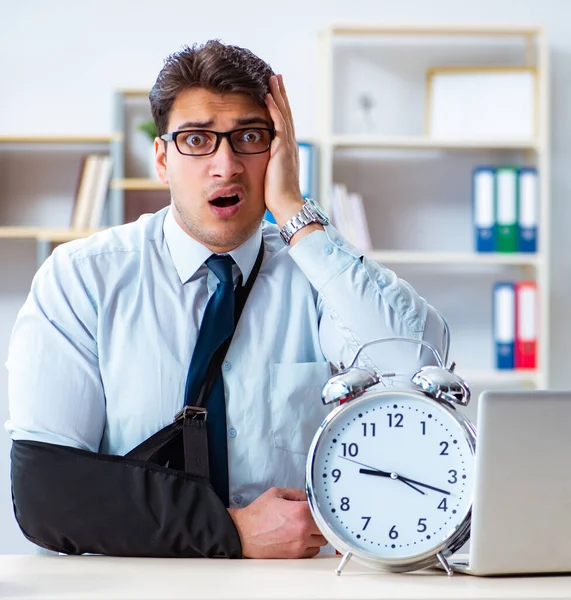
{"x":392,"y":474}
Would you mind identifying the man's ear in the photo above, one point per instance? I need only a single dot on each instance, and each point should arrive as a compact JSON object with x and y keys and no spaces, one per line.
{"x":161,"y":160}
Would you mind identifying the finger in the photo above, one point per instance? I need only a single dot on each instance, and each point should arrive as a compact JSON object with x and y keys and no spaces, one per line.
{"x":286,"y":101}
{"x":292,"y":494}
{"x":317,"y":541}
{"x":310,"y":553}
{"x":276,"y":115}
{"x":314,"y":529}
{"x":280,"y":101}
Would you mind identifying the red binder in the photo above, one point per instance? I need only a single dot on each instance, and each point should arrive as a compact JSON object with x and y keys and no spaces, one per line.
{"x":526,"y":325}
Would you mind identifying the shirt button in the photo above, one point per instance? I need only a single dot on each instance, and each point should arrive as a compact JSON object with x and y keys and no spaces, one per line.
{"x":237,"y":499}
{"x":381,"y":282}
{"x":232,"y":432}
{"x":226,"y":366}
{"x":328,"y":250}
{"x":339,"y":242}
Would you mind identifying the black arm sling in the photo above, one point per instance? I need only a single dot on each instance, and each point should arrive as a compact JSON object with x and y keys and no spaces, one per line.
{"x":74,"y":501}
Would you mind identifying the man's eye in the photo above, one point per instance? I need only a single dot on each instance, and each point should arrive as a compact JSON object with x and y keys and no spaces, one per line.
{"x":252,"y":136}
{"x":196,"y":140}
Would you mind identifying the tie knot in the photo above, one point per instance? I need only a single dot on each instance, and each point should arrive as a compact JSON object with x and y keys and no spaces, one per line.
{"x":221,"y":266}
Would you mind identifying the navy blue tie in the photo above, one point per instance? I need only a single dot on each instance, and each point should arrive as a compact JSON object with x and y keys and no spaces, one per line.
{"x":216,"y":327}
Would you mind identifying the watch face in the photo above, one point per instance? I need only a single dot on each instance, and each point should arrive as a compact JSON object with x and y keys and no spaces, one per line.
{"x":390,"y":475}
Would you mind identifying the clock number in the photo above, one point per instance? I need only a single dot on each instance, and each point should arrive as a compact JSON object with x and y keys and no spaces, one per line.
{"x":443,"y":506}
{"x":393,"y":533}
{"x":421,"y":525}
{"x":453,"y":476}
{"x":423,"y":423}
{"x":444,"y":448}
{"x":351,"y":449}
{"x":367,"y":519}
{"x":345,"y":503}
{"x":337,"y":474}
{"x":397,"y":419}
{"x":373,"y":432}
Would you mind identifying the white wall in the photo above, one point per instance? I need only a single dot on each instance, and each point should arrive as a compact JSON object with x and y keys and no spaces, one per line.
{"x":60,"y":62}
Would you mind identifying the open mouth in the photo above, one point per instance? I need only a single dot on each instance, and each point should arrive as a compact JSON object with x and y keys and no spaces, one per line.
{"x":225,"y":201}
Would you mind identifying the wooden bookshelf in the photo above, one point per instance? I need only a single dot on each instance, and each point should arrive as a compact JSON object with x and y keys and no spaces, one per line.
{"x":44,"y":234}
{"x":423,"y":142}
{"x":138,"y":184}
{"x":379,"y":154}
{"x":440,"y":30}
{"x":454,"y":258}
{"x":498,"y":377}
{"x":60,"y":139}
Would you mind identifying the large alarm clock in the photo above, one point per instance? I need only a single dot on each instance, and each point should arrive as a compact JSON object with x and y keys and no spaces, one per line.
{"x":390,"y":471}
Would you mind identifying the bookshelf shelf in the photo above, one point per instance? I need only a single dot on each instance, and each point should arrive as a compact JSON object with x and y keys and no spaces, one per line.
{"x":453,"y":258}
{"x":423,"y":142}
{"x":498,"y":377}
{"x":137,"y":183}
{"x":59,"y":139}
{"x":364,"y":29}
{"x":44,"y":234}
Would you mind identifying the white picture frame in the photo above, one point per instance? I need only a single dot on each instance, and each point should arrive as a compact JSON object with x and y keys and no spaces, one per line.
{"x":482,"y":103}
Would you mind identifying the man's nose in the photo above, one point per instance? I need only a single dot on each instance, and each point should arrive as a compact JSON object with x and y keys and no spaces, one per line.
{"x":225,"y":162}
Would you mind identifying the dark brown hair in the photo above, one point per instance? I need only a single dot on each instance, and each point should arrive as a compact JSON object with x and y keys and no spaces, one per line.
{"x":213,"y":66}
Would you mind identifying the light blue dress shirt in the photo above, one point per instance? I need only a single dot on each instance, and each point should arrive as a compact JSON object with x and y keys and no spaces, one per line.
{"x":99,"y":353}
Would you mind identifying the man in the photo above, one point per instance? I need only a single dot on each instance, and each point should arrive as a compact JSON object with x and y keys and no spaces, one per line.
{"x":100,"y":352}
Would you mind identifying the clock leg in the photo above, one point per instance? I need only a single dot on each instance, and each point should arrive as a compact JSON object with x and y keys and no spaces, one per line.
{"x":444,"y":564}
{"x":346,"y":558}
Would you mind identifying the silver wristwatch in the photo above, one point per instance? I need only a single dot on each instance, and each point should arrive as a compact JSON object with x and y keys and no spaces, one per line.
{"x":311,"y":212}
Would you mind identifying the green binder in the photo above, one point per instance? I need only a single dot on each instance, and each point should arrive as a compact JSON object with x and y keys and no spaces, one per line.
{"x":506,"y":189}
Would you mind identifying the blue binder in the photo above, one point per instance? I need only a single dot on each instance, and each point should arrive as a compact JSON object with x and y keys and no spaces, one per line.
{"x":483,"y":201}
{"x":528,"y":209}
{"x":306,"y":174}
{"x":504,"y":324}
{"x":269,"y":217}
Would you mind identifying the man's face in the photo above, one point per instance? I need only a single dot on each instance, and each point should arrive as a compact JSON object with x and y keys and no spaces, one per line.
{"x":218,"y":199}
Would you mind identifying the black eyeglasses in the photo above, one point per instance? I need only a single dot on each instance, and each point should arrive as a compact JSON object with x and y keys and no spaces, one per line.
{"x":202,"y":142}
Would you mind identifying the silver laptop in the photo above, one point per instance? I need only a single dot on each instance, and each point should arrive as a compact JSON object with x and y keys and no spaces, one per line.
{"x":521,"y":513}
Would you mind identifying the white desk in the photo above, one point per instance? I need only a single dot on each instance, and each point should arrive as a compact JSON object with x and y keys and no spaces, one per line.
{"x":86,"y":577}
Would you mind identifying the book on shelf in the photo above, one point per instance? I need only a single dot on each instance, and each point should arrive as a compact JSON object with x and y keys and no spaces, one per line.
{"x":526,"y":325}
{"x":528,"y":208}
{"x":504,"y":324}
{"x":515,"y":324}
{"x":349,"y":218}
{"x":505,"y":208}
{"x":92,"y":190}
{"x":100,"y":192}
{"x":483,"y":202}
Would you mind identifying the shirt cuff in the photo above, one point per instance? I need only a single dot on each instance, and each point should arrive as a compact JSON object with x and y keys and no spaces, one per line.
{"x":322,"y":255}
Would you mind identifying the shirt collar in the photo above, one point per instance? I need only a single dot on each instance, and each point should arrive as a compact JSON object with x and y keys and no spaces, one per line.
{"x":188,"y":255}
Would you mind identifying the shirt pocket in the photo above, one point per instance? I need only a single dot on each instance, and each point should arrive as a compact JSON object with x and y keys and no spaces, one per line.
{"x":296,"y":407}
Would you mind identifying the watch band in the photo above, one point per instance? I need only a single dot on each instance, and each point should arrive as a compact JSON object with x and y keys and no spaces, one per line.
{"x":311,"y":212}
{"x":304,"y":217}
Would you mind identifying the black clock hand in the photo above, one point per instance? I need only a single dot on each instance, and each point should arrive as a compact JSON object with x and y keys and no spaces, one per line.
{"x":430,"y":487}
{"x":412,"y":486}
{"x":406,"y":480}
{"x":379,"y":473}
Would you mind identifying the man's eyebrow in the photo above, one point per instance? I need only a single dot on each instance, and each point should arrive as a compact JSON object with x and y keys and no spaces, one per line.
{"x":253,"y":121}
{"x":196,"y":124}
{"x":210,"y":123}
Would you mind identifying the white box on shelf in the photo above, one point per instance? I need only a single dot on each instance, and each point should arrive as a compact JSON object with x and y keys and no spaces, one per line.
{"x":482,"y":103}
